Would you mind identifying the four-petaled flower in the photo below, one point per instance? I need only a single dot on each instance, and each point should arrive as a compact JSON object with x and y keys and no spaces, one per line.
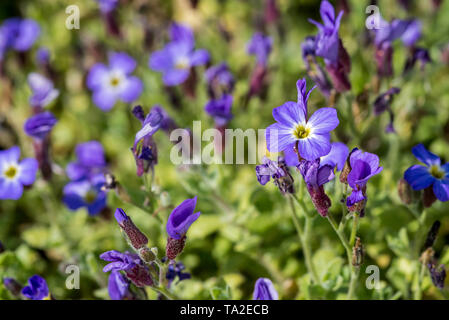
{"x":312,"y":136}
{"x":175,"y":60}
{"x":15,"y":175}
{"x":114,"y":82}
{"x":86,"y":193}
{"x":433,"y":174}
{"x":364,"y":165}
{"x":264,"y":290}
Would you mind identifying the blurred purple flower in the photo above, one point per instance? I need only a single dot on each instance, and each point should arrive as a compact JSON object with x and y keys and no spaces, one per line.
{"x":220,"y":109}
{"x":40,"y":125}
{"x":264,"y":290}
{"x":176,"y":270}
{"x":260,"y":46}
{"x":107,"y":6}
{"x":86,"y":193}
{"x":43,"y":56}
{"x":114,"y":82}
{"x":293,"y":128}
{"x":438,"y":274}
{"x":364,"y":165}
{"x":220,"y":80}
{"x":43,"y":91}
{"x":175,"y":60}
{"x":90,"y":161}
{"x":327,"y":41}
{"x":19,"y":34}
{"x":15,"y":175}
{"x":167,"y":123}
{"x":433,"y":174}
{"x":269,"y":169}
{"x":36,"y":289}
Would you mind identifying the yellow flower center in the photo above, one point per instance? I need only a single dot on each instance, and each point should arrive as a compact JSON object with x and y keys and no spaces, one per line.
{"x":301,"y":132}
{"x":10,"y":172}
{"x":90,"y":196}
{"x":115,"y":81}
{"x":436,"y":172}
{"x":182,"y":63}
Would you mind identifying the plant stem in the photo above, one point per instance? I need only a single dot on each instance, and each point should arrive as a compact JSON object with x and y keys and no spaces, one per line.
{"x":352,"y":285}
{"x":422,"y":271}
{"x":342,"y":238}
{"x":355,"y":224}
{"x":304,"y":239}
{"x":165,"y":292}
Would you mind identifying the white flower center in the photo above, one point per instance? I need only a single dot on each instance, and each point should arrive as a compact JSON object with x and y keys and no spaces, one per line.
{"x":11,"y":171}
{"x":182,"y":63}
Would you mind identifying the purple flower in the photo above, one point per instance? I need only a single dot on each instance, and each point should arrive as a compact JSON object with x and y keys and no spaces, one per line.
{"x":264,"y":290}
{"x":327,"y":41}
{"x":118,"y":286}
{"x":144,"y":148}
{"x":19,"y":34}
{"x":43,"y":90}
{"x":176,"y":270}
{"x":438,"y":274}
{"x":420,"y":55}
{"x":119,"y":261}
{"x":269,"y":169}
{"x":412,"y":33}
{"x":384,"y":100}
{"x":181,"y":218}
{"x":86,"y":193}
{"x":335,"y":158}
{"x":364,"y":165}
{"x":133,"y":266}
{"x":36,"y":289}
{"x":315,"y":176}
{"x":175,"y":60}
{"x":220,"y":109}
{"x":167,"y":123}
{"x":43,"y":56}
{"x":433,"y":174}
{"x":114,"y":82}
{"x":40,"y":125}
{"x":107,"y":6}
{"x":278,"y":171}
{"x":220,"y":80}
{"x":90,"y":161}
{"x":294,"y":128}
{"x":14,"y":175}
{"x":260,"y":46}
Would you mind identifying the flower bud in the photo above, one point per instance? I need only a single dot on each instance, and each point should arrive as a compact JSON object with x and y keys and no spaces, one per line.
{"x":320,"y":200}
{"x":174,"y":247}
{"x":405,"y":192}
{"x":136,"y":238}
{"x":140,"y":276}
{"x":13,"y":286}
{"x":146,"y":254}
{"x":428,"y":197}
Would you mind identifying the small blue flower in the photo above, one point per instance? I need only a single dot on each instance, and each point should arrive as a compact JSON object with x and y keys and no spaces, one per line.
{"x":260,"y":46}
{"x":40,"y":125}
{"x":36,"y":289}
{"x":14,"y":175}
{"x":86,"y":193}
{"x":220,"y":109}
{"x":90,"y":161}
{"x":114,"y":82}
{"x":432,"y":174}
{"x":175,"y":60}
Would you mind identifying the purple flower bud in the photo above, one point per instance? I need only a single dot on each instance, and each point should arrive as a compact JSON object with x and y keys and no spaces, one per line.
{"x":174,"y":247}
{"x":39,"y":125}
{"x":13,"y":286}
{"x":139,"y":113}
{"x":136,"y":238}
{"x":219,"y":80}
{"x":181,"y":218}
{"x":260,"y":46}
{"x":264,"y":290}
{"x":383,"y":101}
{"x":43,"y":56}
{"x":43,"y":90}
{"x":36,"y":289}
{"x":107,"y":6}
